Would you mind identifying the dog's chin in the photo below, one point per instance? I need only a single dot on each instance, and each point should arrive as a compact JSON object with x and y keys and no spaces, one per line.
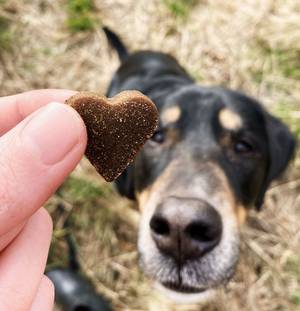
{"x":185,"y":295}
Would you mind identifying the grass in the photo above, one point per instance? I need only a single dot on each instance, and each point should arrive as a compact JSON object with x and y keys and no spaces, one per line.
{"x":80,"y":15}
{"x":251,"y":45}
{"x":289,"y":113}
{"x":285,"y":62}
{"x":82,"y":191}
{"x":279,"y":64}
{"x":288,"y":62}
{"x":296,"y":299}
{"x":180,"y":8}
{"x":6,"y":34}
{"x":293,"y":267}
{"x":110,"y":243}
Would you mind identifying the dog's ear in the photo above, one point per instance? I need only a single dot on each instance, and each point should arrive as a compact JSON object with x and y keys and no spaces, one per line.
{"x":125,"y":183}
{"x":281,"y":149}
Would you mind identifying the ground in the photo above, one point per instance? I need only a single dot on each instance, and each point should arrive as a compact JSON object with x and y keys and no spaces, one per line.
{"x":250,"y":45}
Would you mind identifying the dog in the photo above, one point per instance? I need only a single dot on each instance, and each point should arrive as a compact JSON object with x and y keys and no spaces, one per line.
{"x":73,"y":291}
{"x":210,"y":161}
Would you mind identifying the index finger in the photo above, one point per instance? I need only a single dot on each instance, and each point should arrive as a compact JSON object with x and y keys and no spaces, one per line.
{"x":15,"y":108}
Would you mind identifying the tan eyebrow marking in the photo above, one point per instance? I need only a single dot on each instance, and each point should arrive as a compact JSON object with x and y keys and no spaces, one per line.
{"x":230,"y":120}
{"x":171,"y":115}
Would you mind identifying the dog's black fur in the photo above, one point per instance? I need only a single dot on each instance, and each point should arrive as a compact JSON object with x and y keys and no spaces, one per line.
{"x":160,"y":77}
{"x":191,"y":166}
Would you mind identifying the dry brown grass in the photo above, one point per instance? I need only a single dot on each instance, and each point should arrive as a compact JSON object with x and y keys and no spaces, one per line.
{"x":251,"y":45}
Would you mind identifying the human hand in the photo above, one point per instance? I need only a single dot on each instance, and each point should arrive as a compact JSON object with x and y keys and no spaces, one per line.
{"x":40,"y":145}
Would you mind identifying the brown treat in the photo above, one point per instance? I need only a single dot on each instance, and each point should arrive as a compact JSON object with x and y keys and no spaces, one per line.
{"x":117,"y":128}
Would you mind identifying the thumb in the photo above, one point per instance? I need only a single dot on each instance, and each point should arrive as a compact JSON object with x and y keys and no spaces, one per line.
{"x":36,"y":156}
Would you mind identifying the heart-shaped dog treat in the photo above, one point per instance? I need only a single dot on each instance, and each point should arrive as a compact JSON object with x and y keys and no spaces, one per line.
{"x":117,"y":128}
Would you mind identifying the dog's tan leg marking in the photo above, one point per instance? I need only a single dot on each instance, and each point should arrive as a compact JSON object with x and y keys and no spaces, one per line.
{"x":171,"y":115}
{"x":230,"y":120}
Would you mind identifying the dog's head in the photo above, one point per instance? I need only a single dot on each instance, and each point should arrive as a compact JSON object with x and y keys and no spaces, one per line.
{"x":211,"y":159}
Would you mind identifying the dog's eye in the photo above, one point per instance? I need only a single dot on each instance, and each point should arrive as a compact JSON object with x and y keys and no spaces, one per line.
{"x":158,"y":136}
{"x":243,"y":147}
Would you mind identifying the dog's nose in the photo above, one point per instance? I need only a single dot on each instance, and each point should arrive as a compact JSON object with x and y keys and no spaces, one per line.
{"x":185,"y":228}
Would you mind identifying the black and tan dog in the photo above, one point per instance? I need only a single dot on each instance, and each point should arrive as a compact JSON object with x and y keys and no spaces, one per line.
{"x":212,"y":158}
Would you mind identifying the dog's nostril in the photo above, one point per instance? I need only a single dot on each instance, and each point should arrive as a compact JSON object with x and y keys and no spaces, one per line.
{"x":159,"y":225}
{"x":202,"y":232}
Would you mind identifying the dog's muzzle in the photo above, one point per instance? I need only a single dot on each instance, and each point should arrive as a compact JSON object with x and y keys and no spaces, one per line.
{"x":189,"y":238}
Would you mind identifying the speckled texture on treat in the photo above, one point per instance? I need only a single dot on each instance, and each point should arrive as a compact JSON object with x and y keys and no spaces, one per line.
{"x":117,"y":128}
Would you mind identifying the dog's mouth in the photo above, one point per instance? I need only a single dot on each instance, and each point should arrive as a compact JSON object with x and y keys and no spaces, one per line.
{"x":183,"y":289}
{"x":183,"y":294}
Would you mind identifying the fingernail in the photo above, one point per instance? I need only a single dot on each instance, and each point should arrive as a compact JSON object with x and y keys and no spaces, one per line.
{"x":55,"y":130}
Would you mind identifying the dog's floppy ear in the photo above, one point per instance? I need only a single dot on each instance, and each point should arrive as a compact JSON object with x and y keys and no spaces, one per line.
{"x":281,"y":149}
{"x":125,"y":183}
